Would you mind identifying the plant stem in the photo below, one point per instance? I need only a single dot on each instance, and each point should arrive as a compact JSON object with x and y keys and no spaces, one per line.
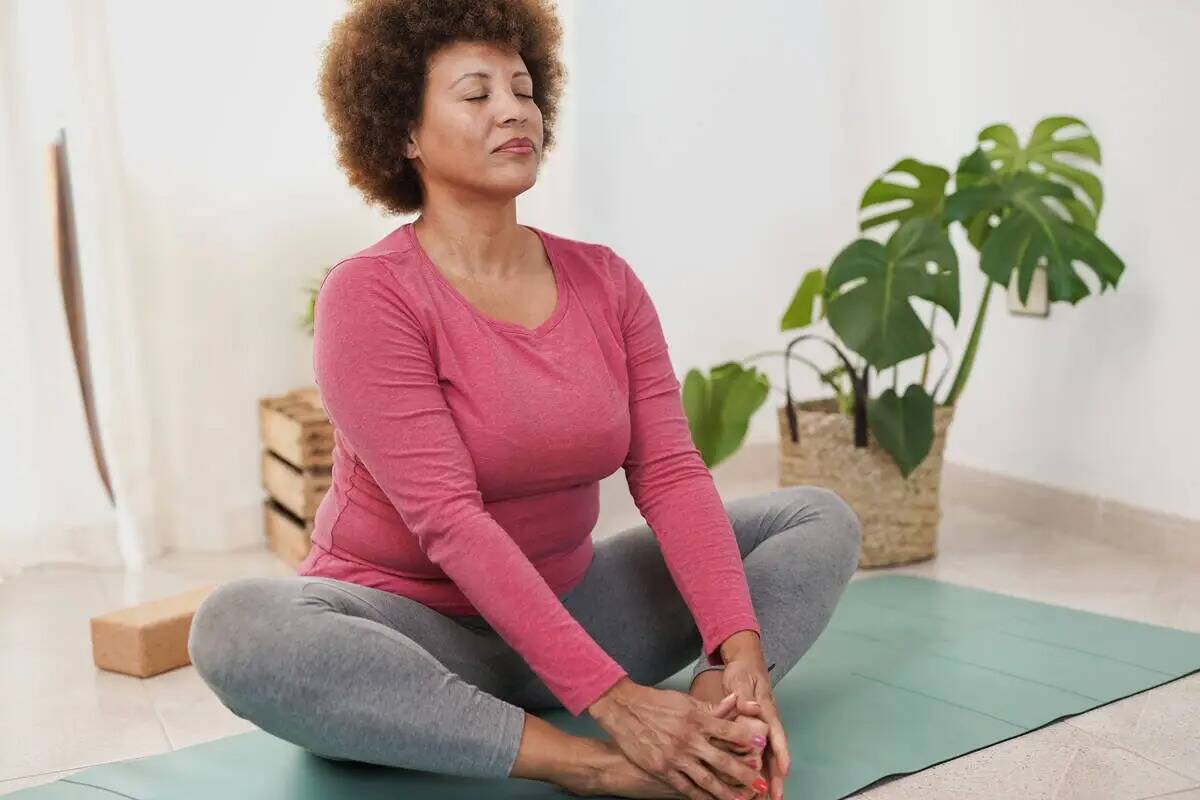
{"x":766,"y":353}
{"x":925,"y":363}
{"x":837,"y":389}
{"x":964,"y":369}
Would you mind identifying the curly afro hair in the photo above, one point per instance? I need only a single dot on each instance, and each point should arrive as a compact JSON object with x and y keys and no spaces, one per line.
{"x":372,"y":79}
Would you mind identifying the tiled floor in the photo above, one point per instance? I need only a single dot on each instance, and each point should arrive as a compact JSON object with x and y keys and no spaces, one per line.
{"x":61,"y":714}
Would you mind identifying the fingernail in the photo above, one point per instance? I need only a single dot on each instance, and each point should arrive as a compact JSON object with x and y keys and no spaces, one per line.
{"x":759,"y":741}
{"x":759,"y":785}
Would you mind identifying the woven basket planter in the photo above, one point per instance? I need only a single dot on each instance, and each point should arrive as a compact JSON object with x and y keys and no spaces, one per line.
{"x":899,"y":516}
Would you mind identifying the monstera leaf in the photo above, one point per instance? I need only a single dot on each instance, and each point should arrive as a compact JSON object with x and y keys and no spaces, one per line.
{"x":924,"y":200}
{"x":1030,"y":230}
{"x":975,"y":169}
{"x":1000,"y":154}
{"x":719,"y":408}
{"x":903,"y":426}
{"x":800,"y":313}
{"x":1041,"y":157}
{"x":869,"y":287}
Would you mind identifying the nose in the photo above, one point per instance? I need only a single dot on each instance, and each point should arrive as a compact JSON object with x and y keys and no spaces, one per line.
{"x":512,"y":109}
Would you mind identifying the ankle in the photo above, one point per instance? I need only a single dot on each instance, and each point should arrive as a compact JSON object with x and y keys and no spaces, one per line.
{"x":707,"y":686}
{"x":548,"y":754}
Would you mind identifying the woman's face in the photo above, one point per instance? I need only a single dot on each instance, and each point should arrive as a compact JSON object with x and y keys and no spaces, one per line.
{"x":477,"y":97}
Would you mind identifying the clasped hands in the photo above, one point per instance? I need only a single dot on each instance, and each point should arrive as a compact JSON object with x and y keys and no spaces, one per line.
{"x":698,"y":743}
{"x":746,"y":677}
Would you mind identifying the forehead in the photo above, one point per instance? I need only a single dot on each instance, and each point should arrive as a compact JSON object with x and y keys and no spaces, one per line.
{"x":451,"y":61}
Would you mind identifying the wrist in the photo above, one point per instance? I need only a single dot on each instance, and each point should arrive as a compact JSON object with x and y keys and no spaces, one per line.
{"x":603,"y":706}
{"x":739,"y":645}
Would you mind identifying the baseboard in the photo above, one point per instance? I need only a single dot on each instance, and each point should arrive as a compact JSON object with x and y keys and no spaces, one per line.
{"x":755,"y":467}
{"x":1113,"y":522}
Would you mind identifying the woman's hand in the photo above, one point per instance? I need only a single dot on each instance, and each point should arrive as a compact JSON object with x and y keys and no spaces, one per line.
{"x":746,"y":675}
{"x":666,"y":733}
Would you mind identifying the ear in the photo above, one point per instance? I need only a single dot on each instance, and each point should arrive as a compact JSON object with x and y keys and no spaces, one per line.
{"x":411,"y":148}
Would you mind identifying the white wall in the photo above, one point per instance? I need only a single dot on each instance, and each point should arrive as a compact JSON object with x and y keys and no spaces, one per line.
{"x":711,"y":155}
{"x":725,"y":154}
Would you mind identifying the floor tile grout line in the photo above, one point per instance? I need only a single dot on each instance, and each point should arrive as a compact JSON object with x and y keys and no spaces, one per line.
{"x":69,"y":769}
{"x":1114,"y":743}
{"x":162,"y":725}
{"x":1066,"y":770}
{"x":1169,"y":795}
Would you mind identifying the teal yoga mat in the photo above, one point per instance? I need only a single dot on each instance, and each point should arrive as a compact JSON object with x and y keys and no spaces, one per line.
{"x":911,"y":672}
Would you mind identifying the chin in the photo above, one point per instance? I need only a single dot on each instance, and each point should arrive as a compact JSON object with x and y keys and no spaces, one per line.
{"x":516,"y":186}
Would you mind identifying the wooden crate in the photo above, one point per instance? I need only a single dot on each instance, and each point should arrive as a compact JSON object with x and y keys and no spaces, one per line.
{"x":295,"y":427}
{"x":296,"y":468}
{"x":298,"y":490}
{"x":287,"y":535}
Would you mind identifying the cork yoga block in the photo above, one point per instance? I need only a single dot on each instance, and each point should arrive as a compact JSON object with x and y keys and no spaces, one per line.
{"x":149,"y":638}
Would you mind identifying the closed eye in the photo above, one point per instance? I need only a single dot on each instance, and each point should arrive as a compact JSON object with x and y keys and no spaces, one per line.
{"x":484,"y":97}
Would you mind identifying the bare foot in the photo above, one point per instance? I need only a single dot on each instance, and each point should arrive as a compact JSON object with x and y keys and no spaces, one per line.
{"x":757,"y":726}
{"x":610,"y":773}
{"x":752,"y":754}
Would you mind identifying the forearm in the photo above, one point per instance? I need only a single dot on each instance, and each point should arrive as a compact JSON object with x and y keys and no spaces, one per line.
{"x":742,"y":644}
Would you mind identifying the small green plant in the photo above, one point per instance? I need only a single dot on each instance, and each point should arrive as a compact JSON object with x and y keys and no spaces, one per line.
{"x":1022,"y":207}
{"x":310,"y":306}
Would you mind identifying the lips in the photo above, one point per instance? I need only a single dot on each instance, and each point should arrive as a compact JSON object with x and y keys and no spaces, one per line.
{"x":519,"y":145}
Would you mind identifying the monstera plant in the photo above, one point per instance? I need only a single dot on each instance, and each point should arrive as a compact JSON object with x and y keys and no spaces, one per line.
{"x":1023,"y":208}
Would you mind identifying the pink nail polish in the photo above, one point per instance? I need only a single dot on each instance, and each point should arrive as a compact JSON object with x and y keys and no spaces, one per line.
{"x":759,"y":741}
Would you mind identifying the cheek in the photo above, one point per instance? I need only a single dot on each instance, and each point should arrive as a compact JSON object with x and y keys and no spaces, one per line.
{"x":466,"y":130}
{"x":460,"y":136}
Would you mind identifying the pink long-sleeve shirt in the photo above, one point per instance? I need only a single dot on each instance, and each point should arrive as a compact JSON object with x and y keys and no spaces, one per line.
{"x":468,"y":452}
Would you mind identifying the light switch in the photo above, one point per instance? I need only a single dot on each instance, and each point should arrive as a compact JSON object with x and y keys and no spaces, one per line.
{"x":1038,"y":304}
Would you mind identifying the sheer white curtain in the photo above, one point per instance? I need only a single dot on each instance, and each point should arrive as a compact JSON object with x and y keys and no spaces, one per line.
{"x":54,"y":74}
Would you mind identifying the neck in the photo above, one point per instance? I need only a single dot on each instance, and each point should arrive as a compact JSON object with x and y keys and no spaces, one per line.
{"x":480,"y":241}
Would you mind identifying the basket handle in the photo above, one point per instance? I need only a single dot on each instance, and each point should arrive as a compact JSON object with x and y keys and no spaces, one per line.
{"x":857,"y":382}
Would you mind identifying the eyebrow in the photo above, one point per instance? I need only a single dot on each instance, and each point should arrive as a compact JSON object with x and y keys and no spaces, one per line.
{"x":482,"y":74}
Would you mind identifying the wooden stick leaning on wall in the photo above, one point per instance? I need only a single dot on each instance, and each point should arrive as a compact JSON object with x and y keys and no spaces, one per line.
{"x":67,"y":250}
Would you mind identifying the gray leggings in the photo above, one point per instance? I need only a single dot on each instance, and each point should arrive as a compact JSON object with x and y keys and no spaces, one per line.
{"x":354,"y":673}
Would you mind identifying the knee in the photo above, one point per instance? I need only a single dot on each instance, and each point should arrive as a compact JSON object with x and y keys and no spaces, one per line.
{"x":221,"y":630}
{"x":842,"y":526}
{"x":847,"y":530}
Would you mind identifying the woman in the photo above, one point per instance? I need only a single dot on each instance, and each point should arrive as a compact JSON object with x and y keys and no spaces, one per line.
{"x":482,"y":376}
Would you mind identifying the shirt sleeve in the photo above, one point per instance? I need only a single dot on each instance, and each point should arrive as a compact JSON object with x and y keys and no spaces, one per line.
{"x":672,"y":486}
{"x":380,"y":388}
